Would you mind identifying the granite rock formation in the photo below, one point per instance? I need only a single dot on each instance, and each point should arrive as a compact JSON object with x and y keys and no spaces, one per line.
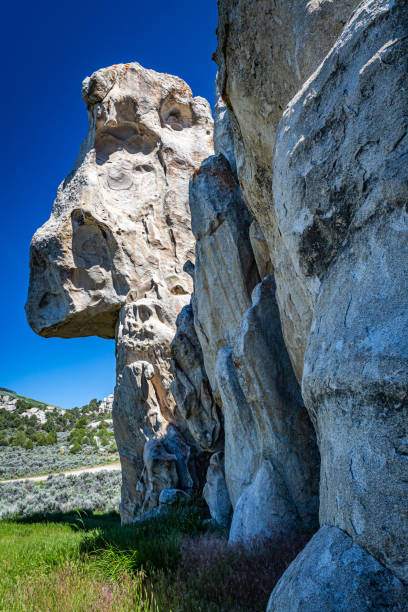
{"x":109,"y":261}
{"x":272,"y":462}
{"x":326,"y":181}
{"x":266,"y":51}
{"x":269,"y":466}
{"x":191,"y":388}
{"x":289,"y":364}
{"x":334,"y":573}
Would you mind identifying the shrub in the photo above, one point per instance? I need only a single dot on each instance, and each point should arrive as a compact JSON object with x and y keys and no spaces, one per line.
{"x":3,"y":439}
{"x":52,"y":437}
{"x":49,"y":424}
{"x":42,"y":439}
{"x":23,"y":404}
{"x":29,"y":445}
{"x":20,"y":439}
{"x":81,"y":423}
{"x":113,"y":448}
{"x":89,"y":491}
{"x":75,"y":448}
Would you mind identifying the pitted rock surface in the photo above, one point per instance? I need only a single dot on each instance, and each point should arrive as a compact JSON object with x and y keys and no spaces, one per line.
{"x":109,"y":261}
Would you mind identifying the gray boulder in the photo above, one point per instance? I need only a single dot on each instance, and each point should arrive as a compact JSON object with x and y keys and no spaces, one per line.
{"x":341,"y":168}
{"x":216,"y":492}
{"x":335,"y":574}
{"x":271,"y":457}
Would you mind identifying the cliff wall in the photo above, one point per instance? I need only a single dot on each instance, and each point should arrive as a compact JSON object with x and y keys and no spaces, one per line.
{"x":325,"y":179}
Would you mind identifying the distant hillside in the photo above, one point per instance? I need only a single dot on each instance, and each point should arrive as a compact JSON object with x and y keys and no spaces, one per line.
{"x":9,"y":397}
{"x":37,"y":438}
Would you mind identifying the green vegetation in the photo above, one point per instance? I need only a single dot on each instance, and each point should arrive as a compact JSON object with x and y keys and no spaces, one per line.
{"x":36,"y":439}
{"x":60,"y":493}
{"x":29,"y":400}
{"x":171,"y":563}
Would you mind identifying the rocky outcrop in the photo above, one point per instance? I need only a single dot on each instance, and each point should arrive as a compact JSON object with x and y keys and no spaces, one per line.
{"x":225,"y":270}
{"x":350,"y":257}
{"x":272,"y":462}
{"x":216,"y":492}
{"x":334,"y":573}
{"x":266,"y":51}
{"x":294,"y":340}
{"x":109,"y":261}
{"x":190,"y":387}
{"x":328,"y":188}
{"x":12,"y":402}
{"x":270,"y":454}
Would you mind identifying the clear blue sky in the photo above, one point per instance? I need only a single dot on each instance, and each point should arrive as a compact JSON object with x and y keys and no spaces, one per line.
{"x":47,"y":49}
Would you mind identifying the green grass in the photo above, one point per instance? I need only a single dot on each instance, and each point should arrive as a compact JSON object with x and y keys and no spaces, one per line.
{"x":87,"y":562}
{"x":69,"y":564}
{"x":171,"y":563}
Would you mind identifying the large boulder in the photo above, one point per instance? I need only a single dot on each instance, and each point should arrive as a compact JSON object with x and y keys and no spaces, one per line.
{"x":341,"y":194}
{"x":109,"y":261}
{"x":334,"y":573}
{"x":270,"y":452}
{"x":266,"y":51}
{"x":225,"y":270}
{"x":191,"y":388}
{"x":271,"y":457}
{"x":328,"y":187}
{"x":216,"y":492}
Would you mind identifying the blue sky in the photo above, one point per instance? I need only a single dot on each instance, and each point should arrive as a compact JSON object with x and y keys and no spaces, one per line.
{"x":47,"y":50}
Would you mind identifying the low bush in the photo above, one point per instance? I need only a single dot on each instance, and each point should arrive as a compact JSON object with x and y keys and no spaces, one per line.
{"x":24,"y":438}
{"x":19,"y":462}
{"x":52,"y":437}
{"x":89,"y":491}
{"x":75,"y":448}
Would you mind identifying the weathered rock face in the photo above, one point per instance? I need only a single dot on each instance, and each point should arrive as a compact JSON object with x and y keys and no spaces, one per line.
{"x":309,"y":287}
{"x":109,"y":261}
{"x":266,"y":51}
{"x":216,"y":492}
{"x":341,"y":166}
{"x":334,"y":573}
{"x":334,"y":215}
{"x":225,"y":270}
{"x":270,"y":454}
{"x":272,"y":462}
{"x":190,"y":387}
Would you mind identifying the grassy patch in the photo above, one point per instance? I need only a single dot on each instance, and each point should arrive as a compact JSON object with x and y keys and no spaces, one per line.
{"x":170,"y":563}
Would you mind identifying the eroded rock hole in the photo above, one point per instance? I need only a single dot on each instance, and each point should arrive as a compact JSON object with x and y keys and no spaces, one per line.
{"x":176,"y":115}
